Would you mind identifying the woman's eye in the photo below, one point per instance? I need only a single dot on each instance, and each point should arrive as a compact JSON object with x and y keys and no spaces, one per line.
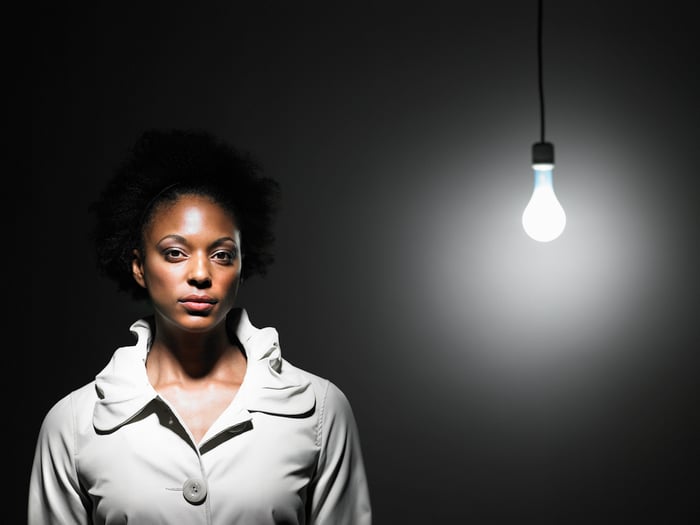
{"x":224,"y":256}
{"x":173,"y":254}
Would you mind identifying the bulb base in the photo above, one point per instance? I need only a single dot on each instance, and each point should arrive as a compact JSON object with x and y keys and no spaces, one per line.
{"x":543,"y":153}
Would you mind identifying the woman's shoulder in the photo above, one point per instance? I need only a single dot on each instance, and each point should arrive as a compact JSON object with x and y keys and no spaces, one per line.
{"x":329,"y":396}
{"x":72,"y":408}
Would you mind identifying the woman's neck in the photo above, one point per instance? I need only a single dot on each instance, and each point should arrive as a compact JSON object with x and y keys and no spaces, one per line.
{"x":182,"y":357}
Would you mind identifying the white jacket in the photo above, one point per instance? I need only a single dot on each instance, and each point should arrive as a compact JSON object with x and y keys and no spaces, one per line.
{"x":286,"y":450}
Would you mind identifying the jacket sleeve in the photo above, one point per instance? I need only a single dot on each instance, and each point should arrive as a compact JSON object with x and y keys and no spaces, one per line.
{"x":54,"y":490}
{"x":340,"y":494}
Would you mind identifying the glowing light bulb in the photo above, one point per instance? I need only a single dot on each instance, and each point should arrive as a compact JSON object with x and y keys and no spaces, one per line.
{"x":544,"y":218}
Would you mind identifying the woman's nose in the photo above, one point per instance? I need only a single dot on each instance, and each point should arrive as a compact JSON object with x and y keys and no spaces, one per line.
{"x":199,"y":273}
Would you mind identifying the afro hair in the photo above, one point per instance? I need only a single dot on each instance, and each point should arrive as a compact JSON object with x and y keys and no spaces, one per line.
{"x":164,"y":164}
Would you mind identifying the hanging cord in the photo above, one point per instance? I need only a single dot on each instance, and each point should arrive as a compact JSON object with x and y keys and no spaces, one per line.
{"x":539,"y":67}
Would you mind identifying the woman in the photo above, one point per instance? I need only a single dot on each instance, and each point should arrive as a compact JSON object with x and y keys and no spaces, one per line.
{"x":202,"y":420}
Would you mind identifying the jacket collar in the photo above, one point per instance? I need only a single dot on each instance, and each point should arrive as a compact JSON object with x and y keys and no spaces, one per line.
{"x":271,"y":384}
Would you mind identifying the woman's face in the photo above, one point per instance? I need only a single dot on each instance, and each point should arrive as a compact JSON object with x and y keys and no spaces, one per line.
{"x":191,"y":263}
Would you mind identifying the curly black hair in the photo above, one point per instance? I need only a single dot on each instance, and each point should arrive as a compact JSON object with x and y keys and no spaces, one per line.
{"x":165,"y":164}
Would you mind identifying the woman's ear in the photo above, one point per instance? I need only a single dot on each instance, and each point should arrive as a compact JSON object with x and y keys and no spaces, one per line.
{"x":137,"y":269}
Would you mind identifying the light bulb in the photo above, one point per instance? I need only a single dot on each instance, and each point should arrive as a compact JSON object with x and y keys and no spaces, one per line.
{"x":544,"y":218}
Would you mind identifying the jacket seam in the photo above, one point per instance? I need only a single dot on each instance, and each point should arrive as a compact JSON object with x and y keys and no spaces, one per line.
{"x":321,"y":416}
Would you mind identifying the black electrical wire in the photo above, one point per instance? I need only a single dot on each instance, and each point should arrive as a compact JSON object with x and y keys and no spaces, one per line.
{"x":539,"y":67}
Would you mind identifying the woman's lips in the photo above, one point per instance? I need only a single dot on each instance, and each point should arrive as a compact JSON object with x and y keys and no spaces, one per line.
{"x":198,"y":303}
{"x":196,"y":306}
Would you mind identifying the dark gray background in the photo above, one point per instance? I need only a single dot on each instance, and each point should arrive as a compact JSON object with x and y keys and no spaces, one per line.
{"x":494,"y":379}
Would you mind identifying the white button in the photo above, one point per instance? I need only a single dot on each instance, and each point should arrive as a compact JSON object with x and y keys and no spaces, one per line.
{"x":194,"y":490}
